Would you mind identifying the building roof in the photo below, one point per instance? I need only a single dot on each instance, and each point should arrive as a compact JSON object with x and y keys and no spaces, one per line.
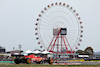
{"x":15,"y":51}
{"x":2,"y":47}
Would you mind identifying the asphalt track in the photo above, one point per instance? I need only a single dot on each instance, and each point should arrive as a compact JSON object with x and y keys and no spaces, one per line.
{"x":65,"y":63}
{"x":78,"y":63}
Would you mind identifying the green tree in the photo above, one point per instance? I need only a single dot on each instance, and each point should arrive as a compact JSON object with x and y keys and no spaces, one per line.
{"x":89,"y":51}
{"x":79,"y":51}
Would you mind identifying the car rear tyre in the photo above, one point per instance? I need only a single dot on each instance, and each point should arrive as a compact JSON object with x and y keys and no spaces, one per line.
{"x":29,"y":61}
{"x":17,"y":61}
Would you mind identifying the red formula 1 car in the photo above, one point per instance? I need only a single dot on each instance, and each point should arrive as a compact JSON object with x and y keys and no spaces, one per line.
{"x":31,"y":59}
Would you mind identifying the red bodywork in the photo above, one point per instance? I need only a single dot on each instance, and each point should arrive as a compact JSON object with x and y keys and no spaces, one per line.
{"x":35,"y":58}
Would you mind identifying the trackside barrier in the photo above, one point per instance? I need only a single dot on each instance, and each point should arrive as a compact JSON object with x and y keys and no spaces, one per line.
{"x":66,"y":63}
{"x":77,"y":60}
{"x":97,"y":60}
{"x":6,"y":61}
{"x":82,"y":60}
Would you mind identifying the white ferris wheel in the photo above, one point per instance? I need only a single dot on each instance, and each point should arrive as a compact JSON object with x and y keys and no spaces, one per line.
{"x":58,"y":28}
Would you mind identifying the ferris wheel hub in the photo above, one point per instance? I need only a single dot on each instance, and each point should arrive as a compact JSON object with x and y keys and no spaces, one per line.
{"x":63,"y":31}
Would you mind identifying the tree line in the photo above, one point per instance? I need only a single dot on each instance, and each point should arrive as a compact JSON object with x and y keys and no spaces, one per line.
{"x":87,"y":51}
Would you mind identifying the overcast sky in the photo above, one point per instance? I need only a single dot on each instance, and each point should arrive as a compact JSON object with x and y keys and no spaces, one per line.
{"x":18,"y":17}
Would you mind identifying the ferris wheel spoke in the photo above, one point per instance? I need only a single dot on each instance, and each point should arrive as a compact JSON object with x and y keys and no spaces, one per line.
{"x":44,"y":22}
{"x":45,"y":25}
{"x":45,"y":28}
{"x":72,"y":37}
{"x":67,"y":20}
{"x":74,"y":30}
{"x":58,"y":14}
{"x":73,"y":33}
{"x":71,"y":20}
{"x":46,"y":34}
{"x":48,"y":21}
{"x":73,"y":40}
{"x":76,"y":36}
{"x":47,"y":39}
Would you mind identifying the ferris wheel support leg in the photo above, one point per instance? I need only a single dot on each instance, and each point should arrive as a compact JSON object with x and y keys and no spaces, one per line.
{"x":68,"y":43}
{"x":51,"y":43}
{"x":54,"y":43}
{"x":55,"y":40}
{"x":61,"y":43}
{"x":65,"y":44}
{"x":58,"y":45}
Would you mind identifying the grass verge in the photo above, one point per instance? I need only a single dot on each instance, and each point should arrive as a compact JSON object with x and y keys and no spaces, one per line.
{"x":41,"y":65}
